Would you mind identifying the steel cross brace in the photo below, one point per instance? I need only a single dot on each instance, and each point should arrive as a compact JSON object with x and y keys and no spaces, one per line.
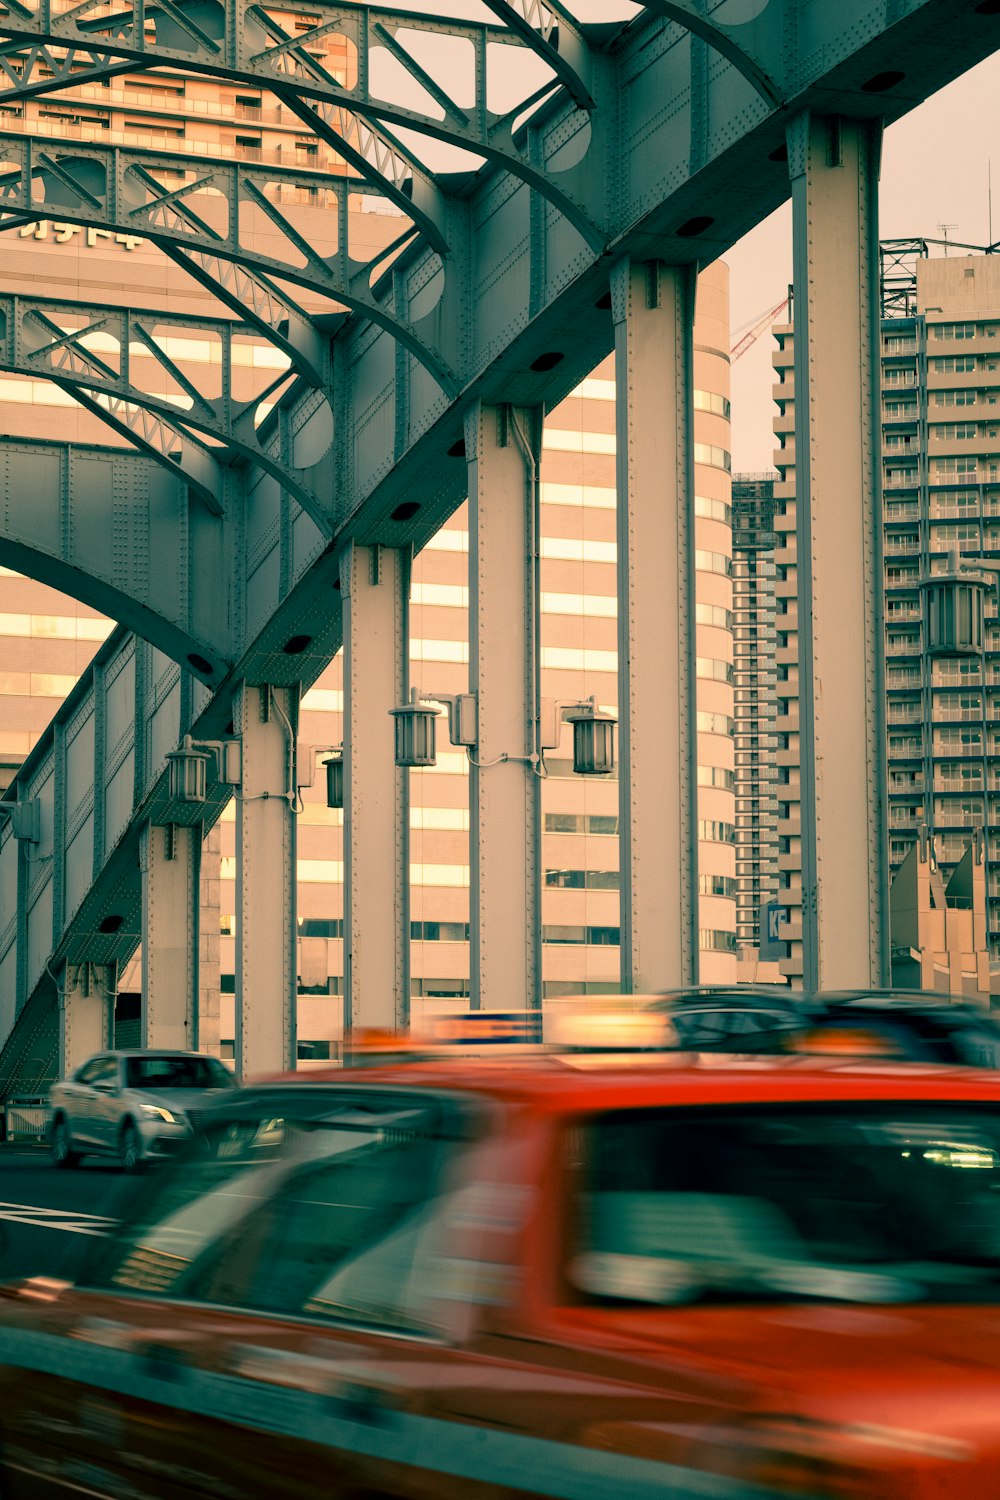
{"x":246,"y":43}
{"x":94,"y":352}
{"x":135,"y":191}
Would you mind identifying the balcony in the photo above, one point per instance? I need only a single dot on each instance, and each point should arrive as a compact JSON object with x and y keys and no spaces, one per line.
{"x":907,"y":481}
{"x":900,"y":614}
{"x":908,"y":413}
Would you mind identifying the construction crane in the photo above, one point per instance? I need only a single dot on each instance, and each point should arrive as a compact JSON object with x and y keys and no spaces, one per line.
{"x":752,"y":334}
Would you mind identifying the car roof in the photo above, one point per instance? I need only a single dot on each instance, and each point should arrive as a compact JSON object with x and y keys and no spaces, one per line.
{"x":957,"y":1012}
{"x":152,"y":1052}
{"x":554,"y":1083}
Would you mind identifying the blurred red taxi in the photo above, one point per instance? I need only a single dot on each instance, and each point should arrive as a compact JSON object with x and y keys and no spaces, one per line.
{"x":586,"y":1277}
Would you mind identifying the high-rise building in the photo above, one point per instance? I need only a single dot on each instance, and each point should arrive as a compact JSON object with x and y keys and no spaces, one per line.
{"x":46,"y":640}
{"x":754,"y":540}
{"x":940,"y":427}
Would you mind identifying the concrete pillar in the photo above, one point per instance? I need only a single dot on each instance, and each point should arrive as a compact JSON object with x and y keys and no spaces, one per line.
{"x":845,"y":929}
{"x":209,"y":943}
{"x":265,"y":718}
{"x":654,"y":319}
{"x":86,"y":1013}
{"x":375,"y":588}
{"x":503,"y":445}
{"x":170,"y":859}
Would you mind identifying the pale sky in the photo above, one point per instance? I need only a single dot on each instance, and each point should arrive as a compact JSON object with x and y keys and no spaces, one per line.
{"x":934,"y":171}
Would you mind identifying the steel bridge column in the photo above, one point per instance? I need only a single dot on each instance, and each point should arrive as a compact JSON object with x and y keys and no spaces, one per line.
{"x":375,"y":588}
{"x":170,"y":860}
{"x":834,"y":170}
{"x":503,"y":447}
{"x":265,"y":718}
{"x":654,"y":320}
{"x":86,"y":1013}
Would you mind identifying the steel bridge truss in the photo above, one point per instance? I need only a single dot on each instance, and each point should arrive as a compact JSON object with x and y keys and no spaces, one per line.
{"x":251,"y":43}
{"x":658,"y":143}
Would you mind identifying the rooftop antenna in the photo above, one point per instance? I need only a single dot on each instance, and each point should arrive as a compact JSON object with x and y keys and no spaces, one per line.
{"x":944,"y":231}
{"x":989,"y":202}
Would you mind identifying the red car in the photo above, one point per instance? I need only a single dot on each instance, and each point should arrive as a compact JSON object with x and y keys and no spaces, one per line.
{"x":583,"y":1278}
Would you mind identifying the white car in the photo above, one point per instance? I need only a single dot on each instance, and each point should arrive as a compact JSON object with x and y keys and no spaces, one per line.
{"x":132,"y":1104}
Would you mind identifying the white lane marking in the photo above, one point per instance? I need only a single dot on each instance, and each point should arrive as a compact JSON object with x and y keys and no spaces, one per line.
{"x":71,"y":1221}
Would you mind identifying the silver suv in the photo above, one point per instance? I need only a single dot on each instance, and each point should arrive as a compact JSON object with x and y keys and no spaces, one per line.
{"x":133,"y":1104}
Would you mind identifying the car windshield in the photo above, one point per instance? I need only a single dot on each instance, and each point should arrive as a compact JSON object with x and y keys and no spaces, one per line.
{"x":178,"y":1072}
{"x":318,"y":1205}
{"x":853,"y":1203}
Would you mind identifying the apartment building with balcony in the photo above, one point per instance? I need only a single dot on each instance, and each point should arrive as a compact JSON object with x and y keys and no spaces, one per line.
{"x":940,"y":435}
{"x":755,"y":703}
{"x":45,"y":640}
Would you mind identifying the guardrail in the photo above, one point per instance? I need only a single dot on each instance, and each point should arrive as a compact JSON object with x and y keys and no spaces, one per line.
{"x":25,"y":1118}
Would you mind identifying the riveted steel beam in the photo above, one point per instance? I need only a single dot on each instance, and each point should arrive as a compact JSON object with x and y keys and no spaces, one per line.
{"x":550,"y":32}
{"x":137,"y":192}
{"x":141,"y":388}
{"x":244,"y":41}
{"x":90,"y":521}
{"x":159,"y":439}
{"x":755,"y":55}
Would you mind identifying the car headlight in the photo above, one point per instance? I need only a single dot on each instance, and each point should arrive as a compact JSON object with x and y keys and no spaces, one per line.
{"x":157,"y":1112}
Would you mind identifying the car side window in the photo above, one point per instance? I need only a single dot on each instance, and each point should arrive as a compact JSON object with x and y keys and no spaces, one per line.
{"x":346,"y":1220}
{"x":92,"y":1071}
{"x":107,"y":1071}
{"x":978,"y":1046}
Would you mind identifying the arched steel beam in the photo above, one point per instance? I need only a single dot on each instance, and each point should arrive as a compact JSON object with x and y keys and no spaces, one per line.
{"x":56,"y":340}
{"x":29,"y":72}
{"x":114,"y":187}
{"x":112,"y":529}
{"x":163,"y":441}
{"x":550,"y":31}
{"x":241,"y":41}
{"x":721,"y":38}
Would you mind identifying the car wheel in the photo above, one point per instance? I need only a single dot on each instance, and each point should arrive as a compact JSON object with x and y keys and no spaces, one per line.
{"x":130,"y":1148}
{"x":61,"y":1146}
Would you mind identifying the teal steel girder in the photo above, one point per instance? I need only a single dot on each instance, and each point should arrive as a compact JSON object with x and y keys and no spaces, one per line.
{"x":115,"y":530}
{"x":244,"y":41}
{"x":698,"y":156}
{"x":122,"y":357}
{"x":133,"y":191}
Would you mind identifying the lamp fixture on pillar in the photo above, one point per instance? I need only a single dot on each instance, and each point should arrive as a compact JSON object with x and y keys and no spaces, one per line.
{"x":188,"y":767}
{"x":305,"y":772}
{"x":416,"y":725}
{"x":25,"y":819}
{"x":593,"y":734}
{"x":593,"y":739}
{"x":415,"y":733}
{"x":954,"y":607}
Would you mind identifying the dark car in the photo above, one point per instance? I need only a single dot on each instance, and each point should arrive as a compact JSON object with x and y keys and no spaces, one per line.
{"x":918,"y":1026}
{"x":699,"y":1018}
{"x":906,"y":1025}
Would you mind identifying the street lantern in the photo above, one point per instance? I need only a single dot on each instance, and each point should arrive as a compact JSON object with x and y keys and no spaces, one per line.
{"x":415,"y":733}
{"x":593,"y":739}
{"x":335,"y":780}
{"x":953,"y":614}
{"x":188,"y":772}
